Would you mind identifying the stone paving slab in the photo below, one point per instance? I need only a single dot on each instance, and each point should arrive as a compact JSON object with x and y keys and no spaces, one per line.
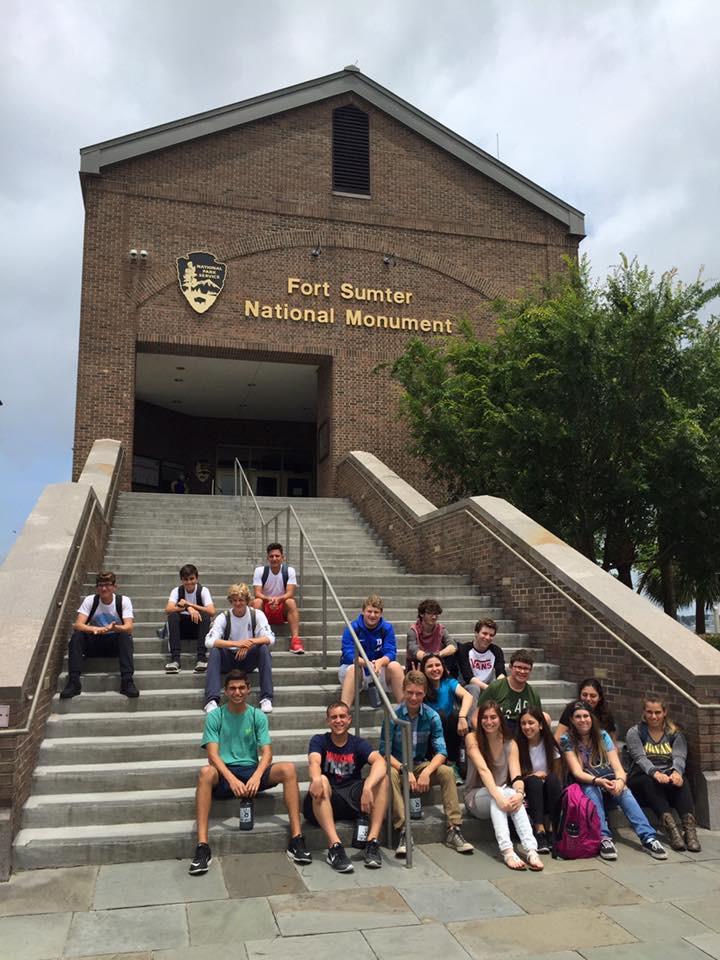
{"x":319,"y":876}
{"x":143,"y":955}
{"x":660,"y":881}
{"x":314,"y":947}
{"x":343,"y":910}
{"x":260,"y":875}
{"x":656,"y":922}
{"x":208,"y":952}
{"x":48,"y":891}
{"x":127,"y":931}
{"x":415,"y":943}
{"x":159,"y":881}
{"x":708,"y":942}
{"x":577,"y":890}
{"x":541,"y":933}
{"x":704,"y":909}
{"x":40,"y":938}
{"x":672,"y":950}
{"x":230,"y":921}
{"x":448,"y":902}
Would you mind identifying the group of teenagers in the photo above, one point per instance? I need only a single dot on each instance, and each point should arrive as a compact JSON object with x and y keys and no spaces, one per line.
{"x":474,"y":721}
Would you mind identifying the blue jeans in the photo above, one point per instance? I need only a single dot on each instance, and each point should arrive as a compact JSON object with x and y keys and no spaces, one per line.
{"x":223,"y":660}
{"x":627,"y":803}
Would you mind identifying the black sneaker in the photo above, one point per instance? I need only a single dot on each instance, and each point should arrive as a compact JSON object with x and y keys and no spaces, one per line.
{"x":71,"y":689}
{"x":655,"y":849}
{"x":201,"y":861}
{"x":543,"y":842}
{"x":297,"y":851}
{"x":372,"y":856}
{"x":338,"y":859}
{"x":607,"y":849}
{"x":128,"y":688}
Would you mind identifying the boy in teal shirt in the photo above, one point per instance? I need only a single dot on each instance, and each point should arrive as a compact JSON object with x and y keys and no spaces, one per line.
{"x":237,"y":740}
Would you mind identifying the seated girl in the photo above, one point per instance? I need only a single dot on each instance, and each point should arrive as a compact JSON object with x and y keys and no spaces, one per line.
{"x":590,"y":691}
{"x":449,"y":699}
{"x":495,"y":787}
{"x":594,"y":764}
{"x":428,"y":635}
{"x":658,"y":751}
{"x":541,"y":768}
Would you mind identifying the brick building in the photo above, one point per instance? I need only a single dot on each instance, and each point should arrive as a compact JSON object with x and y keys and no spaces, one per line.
{"x":247,"y":269}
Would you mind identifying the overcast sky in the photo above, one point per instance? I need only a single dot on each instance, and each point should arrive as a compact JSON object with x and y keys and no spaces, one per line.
{"x":613,"y":106}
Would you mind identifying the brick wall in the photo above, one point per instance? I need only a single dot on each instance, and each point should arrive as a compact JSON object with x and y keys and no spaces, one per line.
{"x":259,"y":198}
{"x":568,"y":627}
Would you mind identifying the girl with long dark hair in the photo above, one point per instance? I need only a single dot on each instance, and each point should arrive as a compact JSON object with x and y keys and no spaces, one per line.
{"x":540,"y":766}
{"x":450,"y":700}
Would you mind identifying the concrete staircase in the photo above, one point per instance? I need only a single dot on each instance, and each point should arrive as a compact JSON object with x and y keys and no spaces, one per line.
{"x":115,"y":779}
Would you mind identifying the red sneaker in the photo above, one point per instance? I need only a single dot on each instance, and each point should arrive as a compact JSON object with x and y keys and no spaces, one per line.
{"x":296,"y":645}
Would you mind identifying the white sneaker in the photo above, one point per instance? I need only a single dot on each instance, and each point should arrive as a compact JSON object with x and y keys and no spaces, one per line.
{"x":172,"y":667}
{"x":201,"y":666}
{"x":266,"y":705}
{"x":210,"y":706}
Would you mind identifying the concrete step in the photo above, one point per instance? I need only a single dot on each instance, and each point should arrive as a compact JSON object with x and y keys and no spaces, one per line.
{"x":133,"y":842}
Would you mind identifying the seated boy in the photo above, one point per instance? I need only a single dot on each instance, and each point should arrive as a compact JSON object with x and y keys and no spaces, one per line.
{"x":275,"y":586}
{"x":102,"y":628}
{"x":338,"y":791}
{"x":189,"y":610}
{"x":377,"y":638}
{"x":237,"y":740}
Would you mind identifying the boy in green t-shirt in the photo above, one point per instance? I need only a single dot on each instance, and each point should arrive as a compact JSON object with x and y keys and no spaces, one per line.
{"x":237,"y":740}
{"x":513,"y":694}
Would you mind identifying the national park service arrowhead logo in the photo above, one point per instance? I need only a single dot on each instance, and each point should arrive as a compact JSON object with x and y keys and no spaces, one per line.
{"x":201,"y":279}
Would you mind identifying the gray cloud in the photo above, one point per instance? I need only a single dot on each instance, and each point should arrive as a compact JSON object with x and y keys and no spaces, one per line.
{"x":612,"y":106}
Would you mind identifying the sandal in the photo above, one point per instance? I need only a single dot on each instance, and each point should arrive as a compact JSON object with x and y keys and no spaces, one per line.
{"x":512,"y":860}
{"x":534,"y":861}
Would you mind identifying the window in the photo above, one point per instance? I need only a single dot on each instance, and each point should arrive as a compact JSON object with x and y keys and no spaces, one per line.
{"x":351,"y":151}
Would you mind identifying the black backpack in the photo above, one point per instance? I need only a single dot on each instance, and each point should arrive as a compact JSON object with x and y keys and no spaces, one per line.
{"x":96,"y":604}
{"x":253,"y":621}
{"x":198,"y":593}
{"x":283,"y":571}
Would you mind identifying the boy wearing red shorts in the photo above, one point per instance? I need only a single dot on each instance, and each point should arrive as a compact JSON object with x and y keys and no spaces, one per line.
{"x":275,"y":585}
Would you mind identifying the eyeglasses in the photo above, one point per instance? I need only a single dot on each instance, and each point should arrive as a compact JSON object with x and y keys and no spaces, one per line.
{"x":521,"y":668}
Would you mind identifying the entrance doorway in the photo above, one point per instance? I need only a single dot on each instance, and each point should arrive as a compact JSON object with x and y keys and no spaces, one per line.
{"x":195,"y":415}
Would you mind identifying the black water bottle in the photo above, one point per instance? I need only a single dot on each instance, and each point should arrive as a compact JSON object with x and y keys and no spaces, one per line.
{"x":416,"y":810}
{"x":462,"y":760}
{"x":373,"y":696}
{"x":360,"y":833}
{"x":247,"y":814}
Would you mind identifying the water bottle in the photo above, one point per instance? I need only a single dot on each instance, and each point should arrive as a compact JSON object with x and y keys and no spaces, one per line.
{"x":360,"y":833}
{"x":462,"y":760}
{"x":373,"y":696}
{"x":247,"y":814}
{"x":416,"y":811}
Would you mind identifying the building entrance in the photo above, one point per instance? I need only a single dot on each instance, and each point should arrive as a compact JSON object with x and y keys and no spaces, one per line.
{"x":195,"y":415}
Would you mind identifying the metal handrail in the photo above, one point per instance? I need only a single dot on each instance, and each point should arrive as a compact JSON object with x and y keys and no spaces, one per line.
{"x":390,"y":714}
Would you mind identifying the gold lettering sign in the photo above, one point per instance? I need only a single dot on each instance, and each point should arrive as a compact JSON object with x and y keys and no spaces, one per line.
{"x":201,"y":278}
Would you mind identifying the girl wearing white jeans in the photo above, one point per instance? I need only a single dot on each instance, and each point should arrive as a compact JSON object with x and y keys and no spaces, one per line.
{"x":495,"y":786}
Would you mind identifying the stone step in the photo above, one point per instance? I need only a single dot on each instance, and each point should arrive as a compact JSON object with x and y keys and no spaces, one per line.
{"x":168,"y":840}
{"x":139,"y":806}
{"x":404,"y":584}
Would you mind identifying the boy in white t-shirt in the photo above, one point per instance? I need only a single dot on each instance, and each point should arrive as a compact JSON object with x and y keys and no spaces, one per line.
{"x":102,"y":628}
{"x":275,"y":586}
{"x":189,"y":610}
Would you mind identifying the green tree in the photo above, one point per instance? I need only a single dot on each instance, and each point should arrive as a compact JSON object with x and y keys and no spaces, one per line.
{"x":588,"y":411}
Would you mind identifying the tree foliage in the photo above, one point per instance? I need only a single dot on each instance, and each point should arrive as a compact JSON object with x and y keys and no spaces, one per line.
{"x":596,"y":410}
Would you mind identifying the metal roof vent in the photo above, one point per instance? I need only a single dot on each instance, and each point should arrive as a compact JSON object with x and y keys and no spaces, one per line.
{"x":351,"y":151}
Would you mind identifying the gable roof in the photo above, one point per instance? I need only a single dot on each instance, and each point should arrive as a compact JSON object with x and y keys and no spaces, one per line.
{"x":350,"y":80}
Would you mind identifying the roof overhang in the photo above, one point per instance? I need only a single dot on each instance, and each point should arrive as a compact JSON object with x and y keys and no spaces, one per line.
{"x":350,"y":80}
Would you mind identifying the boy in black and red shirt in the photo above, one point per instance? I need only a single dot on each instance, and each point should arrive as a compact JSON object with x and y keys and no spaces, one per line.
{"x":338,"y":791}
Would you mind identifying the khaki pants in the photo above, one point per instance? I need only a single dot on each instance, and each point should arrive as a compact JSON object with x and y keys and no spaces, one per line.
{"x":444,"y":777}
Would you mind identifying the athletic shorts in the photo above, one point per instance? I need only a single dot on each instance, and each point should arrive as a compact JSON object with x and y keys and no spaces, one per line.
{"x":345,"y":801}
{"x":344,"y":667}
{"x":276,"y":616}
{"x":221,"y":790}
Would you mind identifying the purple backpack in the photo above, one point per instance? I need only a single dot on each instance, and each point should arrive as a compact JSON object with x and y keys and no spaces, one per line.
{"x":578,"y":833}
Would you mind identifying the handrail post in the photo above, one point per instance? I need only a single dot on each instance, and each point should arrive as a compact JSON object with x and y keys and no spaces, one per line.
{"x":301,"y":566}
{"x":357,"y":674}
{"x":408,"y":764}
{"x":324,"y":625}
{"x":287,"y":531}
{"x":389,"y":811}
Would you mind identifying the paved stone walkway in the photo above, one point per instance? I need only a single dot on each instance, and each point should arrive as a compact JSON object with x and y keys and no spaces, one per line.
{"x":447,"y":907}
